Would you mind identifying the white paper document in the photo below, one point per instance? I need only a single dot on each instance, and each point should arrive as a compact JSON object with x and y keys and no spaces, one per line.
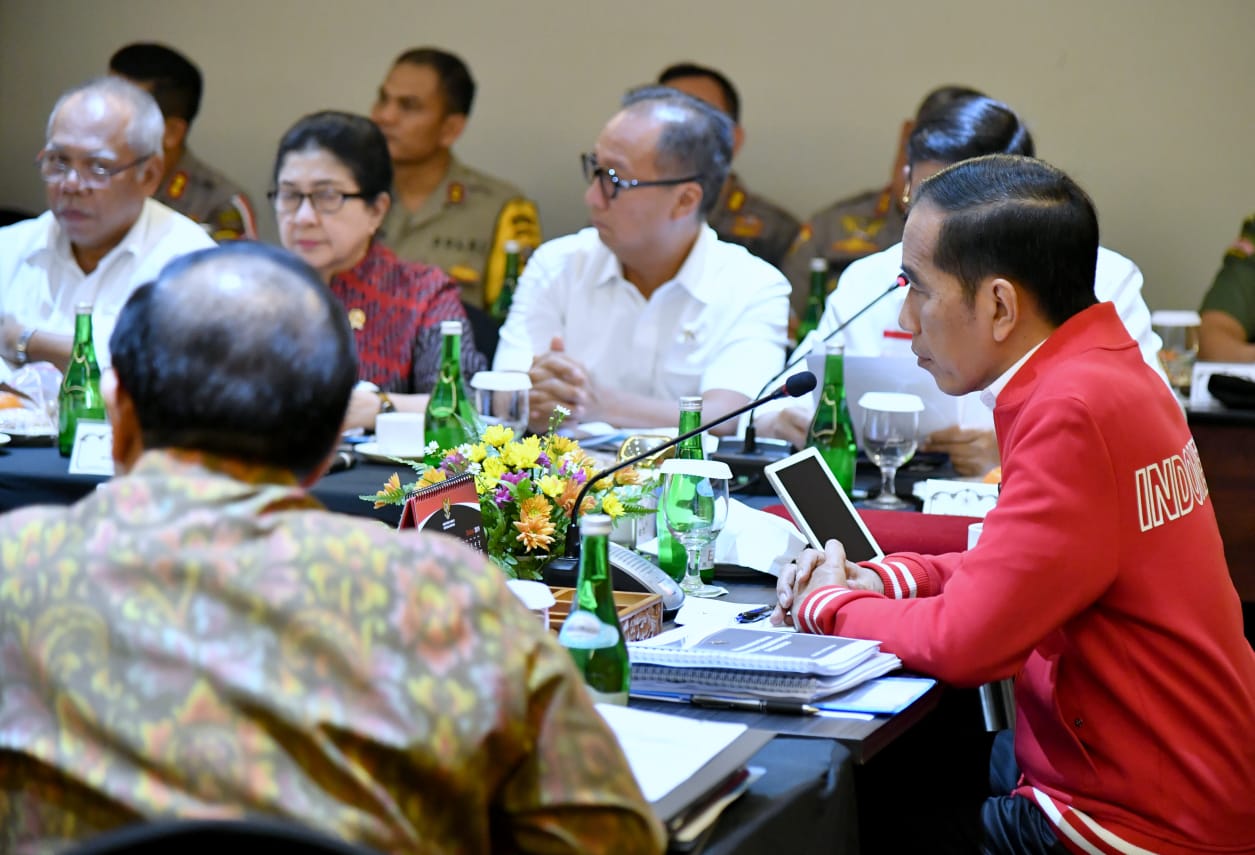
{"x":664,"y":751}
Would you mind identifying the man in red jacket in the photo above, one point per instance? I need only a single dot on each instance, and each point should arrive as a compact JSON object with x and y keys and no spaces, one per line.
{"x":1100,"y":580}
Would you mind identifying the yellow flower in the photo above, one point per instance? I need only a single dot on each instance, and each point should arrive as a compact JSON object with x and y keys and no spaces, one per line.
{"x":535,"y":532}
{"x":551,"y":486}
{"x":476,"y":453}
{"x":612,"y":506}
{"x":498,"y":435}
{"x":494,"y":468}
{"x":522,"y":455}
{"x":560,"y":445}
{"x":431,"y":475}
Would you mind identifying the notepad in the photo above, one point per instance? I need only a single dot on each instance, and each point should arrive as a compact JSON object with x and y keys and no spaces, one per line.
{"x":734,"y":648}
{"x":802,"y":688}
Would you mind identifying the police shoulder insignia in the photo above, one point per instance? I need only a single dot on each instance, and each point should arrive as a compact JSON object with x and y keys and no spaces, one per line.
{"x":178,"y":185}
{"x":736,"y":199}
{"x":747,"y":226}
{"x":462,"y":273}
{"x":457,"y":192}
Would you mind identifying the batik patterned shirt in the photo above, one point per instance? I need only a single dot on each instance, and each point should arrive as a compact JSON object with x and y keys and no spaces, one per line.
{"x":200,"y":638}
{"x":395,"y":308}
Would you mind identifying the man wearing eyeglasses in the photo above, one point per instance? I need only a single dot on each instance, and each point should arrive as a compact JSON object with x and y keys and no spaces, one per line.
{"x":620,"y":320}
{"x":101,"y":236}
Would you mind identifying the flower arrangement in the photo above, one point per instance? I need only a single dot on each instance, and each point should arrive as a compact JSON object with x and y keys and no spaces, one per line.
{"x":527,"y":488}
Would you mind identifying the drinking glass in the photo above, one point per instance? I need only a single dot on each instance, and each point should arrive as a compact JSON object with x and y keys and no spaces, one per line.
{"x":1178,"y":330}
{"x":695,"y":506}
{"x":501,"y":399}
{"x":890,"y":437}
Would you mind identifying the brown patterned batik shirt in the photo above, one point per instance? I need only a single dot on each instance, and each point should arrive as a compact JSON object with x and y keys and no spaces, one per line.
{"x":201,"y":638}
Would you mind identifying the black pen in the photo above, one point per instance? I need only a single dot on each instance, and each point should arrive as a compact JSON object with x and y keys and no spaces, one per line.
{"x":754,"y":615}
{"x":753,"y":705}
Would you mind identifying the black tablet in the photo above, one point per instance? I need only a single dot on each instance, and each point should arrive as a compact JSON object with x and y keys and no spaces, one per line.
{"x":819,"y":506}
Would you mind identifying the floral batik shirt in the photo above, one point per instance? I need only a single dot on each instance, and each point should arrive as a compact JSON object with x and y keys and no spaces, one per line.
{"x":200,"y":638}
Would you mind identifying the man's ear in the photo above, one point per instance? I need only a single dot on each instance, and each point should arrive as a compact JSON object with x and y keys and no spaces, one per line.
{"x":687,"y":201}
{"x":151,"y":172}
{"x":738,"y":139}
{"x":1007,"y":305}
{"x":175,"y":133}
{"x":451,"y":127}
{"x":128,"y":442}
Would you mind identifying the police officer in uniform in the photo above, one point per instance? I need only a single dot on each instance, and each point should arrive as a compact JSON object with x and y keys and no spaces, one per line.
{"x":445,"y":213}
{"x":190,"y":186}
{"x":861,"y":225}
{"x":1227,"y":333}
{"x":740,"y":216}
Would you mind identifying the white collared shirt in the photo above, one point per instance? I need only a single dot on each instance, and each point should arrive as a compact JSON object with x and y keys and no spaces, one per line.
{"x":719,"y":324}
{"x":989,"y":395}
{"x":41,"y":283}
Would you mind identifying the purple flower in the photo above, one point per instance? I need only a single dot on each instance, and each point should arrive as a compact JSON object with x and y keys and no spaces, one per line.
{"x":514,"y":477}
{"x":501,"y":497}
{"x":579,"y":477}
{"x":543,"y":460}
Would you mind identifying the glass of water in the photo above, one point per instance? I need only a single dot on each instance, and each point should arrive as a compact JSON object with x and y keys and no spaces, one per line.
{"x":501,"y":398}
{"x":1178,"y":330}
{"x":890,"y":437}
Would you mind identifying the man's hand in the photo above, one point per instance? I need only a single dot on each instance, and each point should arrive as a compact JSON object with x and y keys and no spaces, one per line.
{"x":558,"y":380}
{"x":972,"y":452}
{"x":10,"y":332}
{"x":363,"y":407}
{"x":814,"y":569}
{"x":791,"y":425}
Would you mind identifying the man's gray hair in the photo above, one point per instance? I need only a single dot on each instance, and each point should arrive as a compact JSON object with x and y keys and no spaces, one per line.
{"x":696,"y":138}
{"x":145,"y":126}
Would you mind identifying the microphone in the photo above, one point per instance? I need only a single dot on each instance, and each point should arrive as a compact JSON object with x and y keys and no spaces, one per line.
{"x":749,"y":458}
{"x":561,"y":570}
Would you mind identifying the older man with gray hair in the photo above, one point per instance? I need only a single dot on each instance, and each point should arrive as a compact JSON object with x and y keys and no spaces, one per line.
{"x":101,"y":236}
{"x":620,"y":320}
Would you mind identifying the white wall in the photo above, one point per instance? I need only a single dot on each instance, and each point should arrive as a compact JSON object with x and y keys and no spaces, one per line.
{"x":1145,"y":102}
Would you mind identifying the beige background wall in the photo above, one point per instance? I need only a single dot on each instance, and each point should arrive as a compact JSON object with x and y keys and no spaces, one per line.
{"x":1146,"y":102}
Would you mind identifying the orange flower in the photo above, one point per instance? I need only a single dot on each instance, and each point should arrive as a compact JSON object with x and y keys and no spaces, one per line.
{"x":628,"y":476}
{"x":535,"y":532}
{"x":392,"y":485}
{"x":536,"y":506}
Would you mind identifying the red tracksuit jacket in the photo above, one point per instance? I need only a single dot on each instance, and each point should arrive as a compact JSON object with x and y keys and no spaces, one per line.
{"x":1100,"y":583}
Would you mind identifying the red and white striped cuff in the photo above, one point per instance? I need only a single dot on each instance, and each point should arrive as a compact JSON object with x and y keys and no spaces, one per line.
{"x":899,"y":582}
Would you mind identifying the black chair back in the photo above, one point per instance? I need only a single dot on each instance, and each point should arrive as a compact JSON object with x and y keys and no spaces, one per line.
{"x":251,"y":836}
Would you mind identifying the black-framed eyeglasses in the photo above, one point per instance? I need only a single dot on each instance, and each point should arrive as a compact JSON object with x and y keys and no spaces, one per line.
{"x":55,"y":167}
{"x":325,"y":200}
{"x":610,"y":182}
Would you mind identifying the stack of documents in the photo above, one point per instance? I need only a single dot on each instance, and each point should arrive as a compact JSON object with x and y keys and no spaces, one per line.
{"x":753,"y":663}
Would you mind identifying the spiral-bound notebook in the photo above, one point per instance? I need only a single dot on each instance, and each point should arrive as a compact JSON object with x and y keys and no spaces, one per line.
{"x":803,"y":688}
{"x":753,"y":650}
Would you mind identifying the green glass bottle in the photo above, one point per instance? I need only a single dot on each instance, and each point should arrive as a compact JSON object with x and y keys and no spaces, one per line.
{"x":671,"y":555}
{"x":451,"y":418}
{"x":80,"y":396}
{"x":501,"y":306}
{"x":815,"y":299}
{"x":591,"y":631}
{"x":832,"y":431}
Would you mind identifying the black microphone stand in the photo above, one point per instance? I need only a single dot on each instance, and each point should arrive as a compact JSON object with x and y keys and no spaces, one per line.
{"x":563,"y":570}
{"x":748,"y":460}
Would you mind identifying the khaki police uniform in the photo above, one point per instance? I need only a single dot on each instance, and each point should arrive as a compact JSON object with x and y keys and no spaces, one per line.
{"x":842,"y":233}
{"x":203,"y":194}
{"x":462,"y":228}
{"x":754,"y":222}
{"x":1233,"y":291}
